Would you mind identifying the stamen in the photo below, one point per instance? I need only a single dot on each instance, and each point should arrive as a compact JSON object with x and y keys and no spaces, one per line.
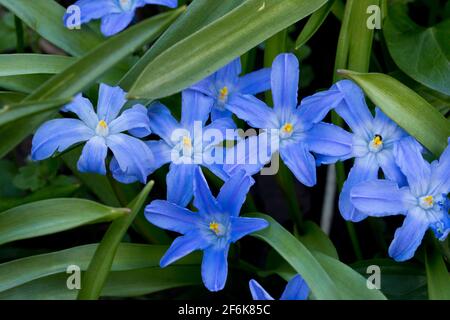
{"x":378,"y":140}
{"x":223,"y":93}
{"x":102,"y":128}
{"x":426,"y":202}
{"x":429,"y":200}
{"x":103,"y":124}
{"x":287,"y":128}
{"x":187,"y":142}
{"x":376,"y":144}
{"x":214,"y":226}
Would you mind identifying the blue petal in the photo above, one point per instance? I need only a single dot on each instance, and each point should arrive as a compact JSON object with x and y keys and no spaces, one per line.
{"x":180,"y":183}
{"x":195,"y":107}
{"x":233,"y":193}
{"x":134,"y":118}
{"x":203,"y":198}
{"x":169,"y":216}
{"x":284,"y":79}
{"x":182,"y":246}
{"x":110,"y":102}
{"x":162,"y":152}
{"x":441,"y":228}
{"x":378,"y":198}
{"x":387,"y":128}
{"x":119,"y":175}
{"x":440,"y":176}
{"x":301,"y":162}
{"x":116,"y":22}
{"x":218,"y":113}
{"x":58,"y":135}
{"x":229,"y":74}
{"x":391,"y":170}
{"x":133,"y":155}
{"x":91,"y":10}
{"x":206,"y":86}
{"x":240,"y":227}
{"x":216,"y":132}
{"x":330,"y":140}
{"x":254,"y":111}
{"x":296,"y":289}
{"x":258,"y":292}
{"x":353,"y":108}
{"x":82,"y":107}
{"x":167,"y":3}
{"x":255,"y":82}
{"x":417,"y":171}
{"x":215,"y":268}
{"x":93,"y":156}
{"x":218,"y":170}
{"x":162,"y":122}
{"x":365,"y":168}
{"x":409,"y":236}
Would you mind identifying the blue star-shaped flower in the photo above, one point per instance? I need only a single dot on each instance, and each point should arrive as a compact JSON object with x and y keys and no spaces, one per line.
{"x":296,"y":289}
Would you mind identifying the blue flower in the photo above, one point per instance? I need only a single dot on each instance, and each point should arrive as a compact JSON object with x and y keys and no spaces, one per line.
{"x":295,"y":131}
{"x":116,"y":15}
{"x":211,"y":229}
{"x":374,"y":139}
{"x":224,"y":84}
{"x":296,"y":289}
{"x":101,"y":130}
{"x":185,"y":145}
{"x":421,"y":201}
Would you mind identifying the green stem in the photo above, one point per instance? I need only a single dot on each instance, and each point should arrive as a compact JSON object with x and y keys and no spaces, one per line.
{"x":19,"y":35}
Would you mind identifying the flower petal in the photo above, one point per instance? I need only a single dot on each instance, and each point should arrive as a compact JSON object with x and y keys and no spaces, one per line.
{"x":110,"y":102}
{"x":119,"y":175}
{"x":91,"y":10}
{"x":93,"y":156}
{"x":116,"y":22}
{"x":217,"y":113}
{"x":58,"y":135}
{"x":169,"y":216}
{"x":254,"y":111}
{"x":229,"y":74}
{"x":180,"y":183}
{"x":364,"y":169}
{"x":195,"y":107}
{"x":233,"y":193}
{"x":162,"y":122}
{"x":296,"y":289}
{"x":182,"y":246}
{"x":82,"y":107}
{"x":203,"y":198}
{"x":387,"y":128}
{"x":390,"y":168}
{"x":409,"y":236}
{"x":134,"y":118}
{"x":167,"y":3}
{"x":216,"y":132}
{"x":301,"y":162}
{"x":162,"y":152}
{"x":330,"y":140}
{"x":284,"y":79}
{"x":440,"y":176}
{"x":133,"y":155}
{"x":258,"y":292}
{"x":255,"y":82}
{"x":240,"y":227}
{"x":215,"y":268}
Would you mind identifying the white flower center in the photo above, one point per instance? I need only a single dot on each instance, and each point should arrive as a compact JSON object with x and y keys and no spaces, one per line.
{"x":426,"y":202}
{"x":102,"y":128}
{"x":286,"y":130}
{"x":217,"y":228}
{"x":376,"y":144}
{"x":126,"y":5}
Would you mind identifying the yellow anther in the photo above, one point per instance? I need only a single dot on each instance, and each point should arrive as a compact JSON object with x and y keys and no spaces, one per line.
{"x":214,"y":226}
{"x":378,"y":140}
{"x":287,"y":128}
{"x":429,"y":200}
{"x":187,"y":142}
{"x":223,"y":93}
{"x":103,"y":124}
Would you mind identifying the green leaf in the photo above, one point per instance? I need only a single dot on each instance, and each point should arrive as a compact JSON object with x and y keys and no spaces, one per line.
{"x":22,"y":64}
{"x":406,"y":108}
{"x":316,"y":240}
{"x":299,"y":257}
{"x":191,"y":21}
{"x":128,"y":283}
{"x":422,"y":53}
{"x":46,"y":18}
{"x":52,"y":216}
{"x":128,"y":256}
{"x":8,"y":97}
{"x":23,"y":83}
{"x":313,"y":24}
{"x":14,"y":112}
{"x":95,"y":277}
{"x":438,"y":278}
{"x":215,"y":45}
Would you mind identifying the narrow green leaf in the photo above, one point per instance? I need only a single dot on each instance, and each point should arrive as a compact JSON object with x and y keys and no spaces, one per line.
{"x":46,"y":18}
{"x":14,"y":112}
{"x":21,"y":64}
{"x":299,"y":257}
{"x":23,"y":83}
{"x":212,"y":47}
{"x":316,"y":240}
{"x":95,"y":277}
{"x":52,"y":216}
{"x":313,"y":24}
{"x":9,"y":97}
{"x":438,"y":278}
{"x":406,"y":108}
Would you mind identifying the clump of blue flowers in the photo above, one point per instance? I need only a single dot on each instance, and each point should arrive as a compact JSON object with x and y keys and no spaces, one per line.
{"x":115,"y":15}
{"x":212,"y":229}
{"x":296,"y":289}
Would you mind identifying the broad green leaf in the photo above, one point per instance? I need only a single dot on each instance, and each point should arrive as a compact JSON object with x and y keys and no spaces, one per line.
{"x":14,"y":112}
{"x":408,"y":109}
{"x":191,"y":21}
{"x":9,"y":97}
{"x":299,"y":257}
{"x":128,"y":283}
{"x":52,"y":216}
{"x":23,"y":83}
{"x":438,"y":278}
{"x":85,"y":71}
{"x":46,"y":18}
{"x":95,"y":277}
{"x":316,"y":240}
{"x":128,"y":256}
{"x":212,"y":47}
{"x":422,"y":53}
{"x":22,"y":64}
{"x":313,"y":24}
